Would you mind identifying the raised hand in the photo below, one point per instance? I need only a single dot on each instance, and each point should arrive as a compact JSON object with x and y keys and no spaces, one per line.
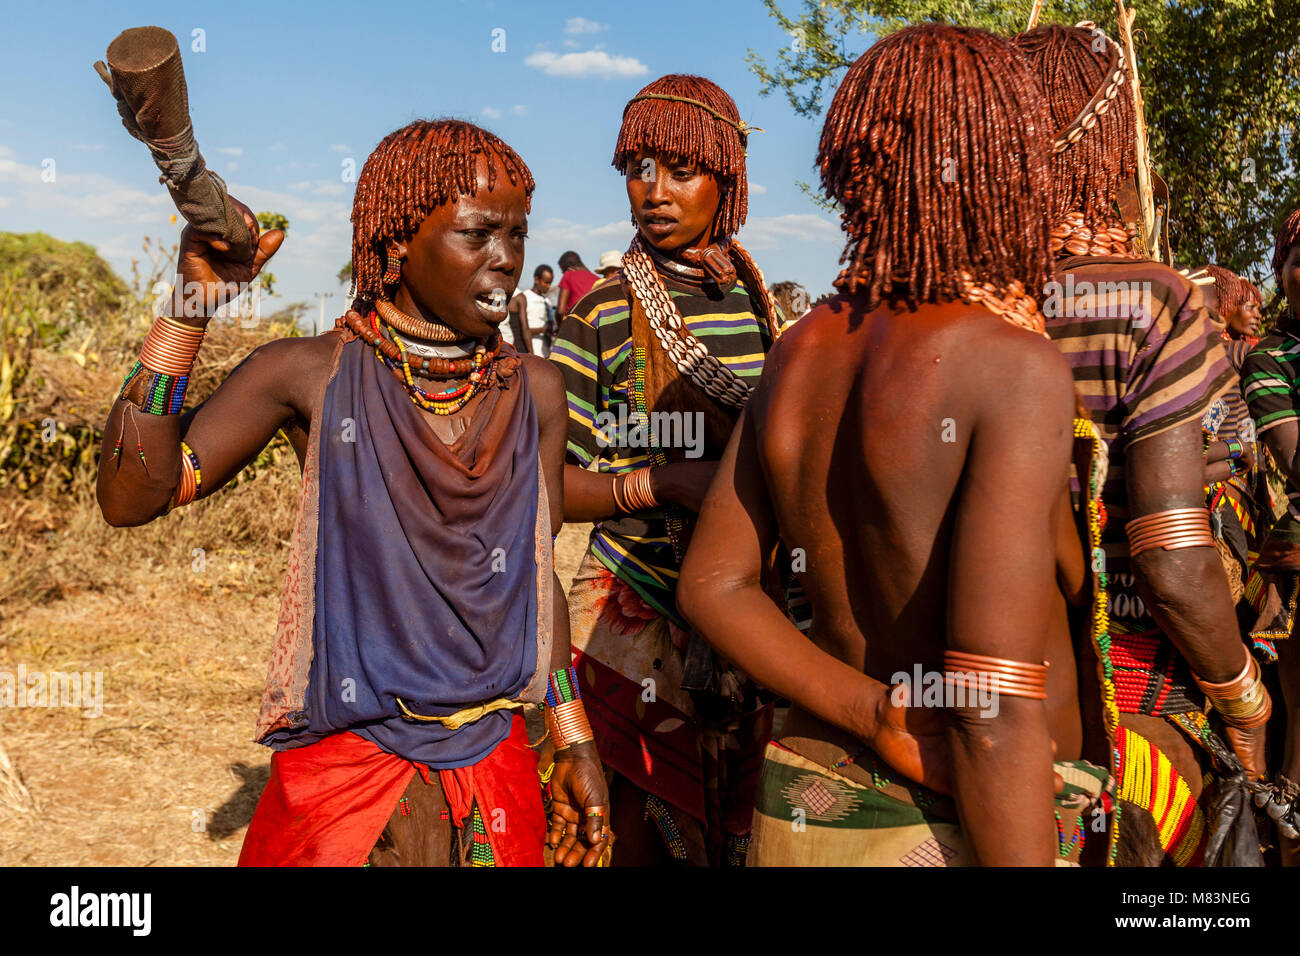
{"x":207,"y":279}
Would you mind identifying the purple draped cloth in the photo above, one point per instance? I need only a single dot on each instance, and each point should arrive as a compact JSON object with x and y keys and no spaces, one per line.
{"x":426,"y":566}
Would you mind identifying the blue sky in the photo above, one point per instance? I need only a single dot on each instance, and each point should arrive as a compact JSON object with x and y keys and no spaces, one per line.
{"x":285,"y":93}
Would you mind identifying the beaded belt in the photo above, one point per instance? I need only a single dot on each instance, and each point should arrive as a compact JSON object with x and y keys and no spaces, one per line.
{"x":1151,"y":677}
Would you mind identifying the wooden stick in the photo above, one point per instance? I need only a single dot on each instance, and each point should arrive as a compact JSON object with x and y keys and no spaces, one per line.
{"x":1034,"y":14}
{"x":1145,"y":187}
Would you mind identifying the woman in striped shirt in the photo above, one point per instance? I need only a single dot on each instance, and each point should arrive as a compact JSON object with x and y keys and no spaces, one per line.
{"x":658,"y":360}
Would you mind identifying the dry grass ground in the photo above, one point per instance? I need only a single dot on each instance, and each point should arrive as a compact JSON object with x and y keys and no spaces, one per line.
{"x":168,"y":774}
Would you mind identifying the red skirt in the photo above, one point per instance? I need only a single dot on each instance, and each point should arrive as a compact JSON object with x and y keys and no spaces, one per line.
{"x":327,"y":803}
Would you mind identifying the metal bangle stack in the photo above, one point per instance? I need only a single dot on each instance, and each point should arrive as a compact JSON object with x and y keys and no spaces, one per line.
{"x":687,"y":353}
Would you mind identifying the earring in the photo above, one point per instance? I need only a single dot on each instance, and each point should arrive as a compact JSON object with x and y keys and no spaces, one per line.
{"x":392,"y":268}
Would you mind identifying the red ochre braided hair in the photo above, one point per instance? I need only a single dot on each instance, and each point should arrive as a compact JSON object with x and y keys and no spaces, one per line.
{"x":1288,"y":235}
{"x":685,"y":131}
{"x":411,"y":172}
{"x":1231,"y":290}
{"x":936,"y":145}
{"x":1070,"y":63}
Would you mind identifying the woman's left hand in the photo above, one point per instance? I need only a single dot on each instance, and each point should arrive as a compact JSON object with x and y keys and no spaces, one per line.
{"x":578,"y":794}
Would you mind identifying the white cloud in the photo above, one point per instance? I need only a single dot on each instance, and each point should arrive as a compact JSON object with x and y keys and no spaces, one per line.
{"x":519,"y":109}
{"x":84,"y":195}
{"x":586,"y":64}
{"x":5,"y":201}
{"x":12,"y":171}
{"x":491,"y":112}
{"x":94,"y":147}
{"x":338,"y":148}
{"x":771,"y":232}
{"x":298,"y":187}
{"x":583,"y":25}
{"x":328,"y":187}
{"x":571,"y":44}
{"x":232,"y":150}
{"x":230,"y":167}
{"x":756,"y":189}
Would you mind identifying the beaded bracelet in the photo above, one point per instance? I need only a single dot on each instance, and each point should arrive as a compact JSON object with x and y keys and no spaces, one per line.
{"x":191,"y":485}
{"x":156,"y":383}
{"x":562,"y":687}
{"x":156,"y":393}
{"x":1235,"y":448}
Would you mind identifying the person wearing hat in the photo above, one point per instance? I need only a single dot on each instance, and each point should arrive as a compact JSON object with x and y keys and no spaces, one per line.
{"x":610,"y":262}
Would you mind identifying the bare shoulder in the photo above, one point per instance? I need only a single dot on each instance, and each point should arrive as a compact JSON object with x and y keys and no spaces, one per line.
{"x":544,"y":379}
{"x":1025,"y":376}
{"x":294,"y":367}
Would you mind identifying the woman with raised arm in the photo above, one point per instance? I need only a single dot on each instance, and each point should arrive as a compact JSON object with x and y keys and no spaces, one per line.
{"x":420,"y":607}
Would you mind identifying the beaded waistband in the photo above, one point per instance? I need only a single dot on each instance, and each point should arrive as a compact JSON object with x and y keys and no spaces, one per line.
{"x":1151,"y":677}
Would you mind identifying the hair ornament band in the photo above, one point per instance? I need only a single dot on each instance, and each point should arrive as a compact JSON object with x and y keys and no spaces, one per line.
{"x":1101,"y":100}
{"x":740,"y":126}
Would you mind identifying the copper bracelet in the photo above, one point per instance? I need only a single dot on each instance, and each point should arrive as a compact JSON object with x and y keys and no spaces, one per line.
{"x":1243,"y":700}
{"x":568,"y":724}
{"x":1170,"y":530}
{"x":1014,"y":678}
{"x":170,"y":347}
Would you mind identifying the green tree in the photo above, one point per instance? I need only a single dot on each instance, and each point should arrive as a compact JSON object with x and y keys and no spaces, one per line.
{"x":270,"y":220}
{"x":1218,"y":84}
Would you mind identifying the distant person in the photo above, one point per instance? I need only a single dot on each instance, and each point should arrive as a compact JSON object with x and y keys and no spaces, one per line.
{"x":793,"y":299}
{"x":610,"y":262}
{"x":531,"y":312}
{"x":576,"y":282}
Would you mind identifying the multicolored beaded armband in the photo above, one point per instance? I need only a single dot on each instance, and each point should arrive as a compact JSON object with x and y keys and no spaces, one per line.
{"x":562,"y":687}
{"x":154,"y":392}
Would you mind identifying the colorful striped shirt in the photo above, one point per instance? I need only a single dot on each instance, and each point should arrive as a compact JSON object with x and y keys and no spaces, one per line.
{"x":594,"y":353}
{"x":1145,"y":355}
{"x":1270,"y":378}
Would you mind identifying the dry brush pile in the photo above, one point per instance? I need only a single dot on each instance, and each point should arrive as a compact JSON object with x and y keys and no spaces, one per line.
{"x":69,"y":331}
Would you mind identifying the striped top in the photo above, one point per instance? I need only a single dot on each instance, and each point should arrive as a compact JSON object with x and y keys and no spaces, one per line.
{"x":594,"y":352}
{"x":1146,"y":358}
{"x":1269,"y":378}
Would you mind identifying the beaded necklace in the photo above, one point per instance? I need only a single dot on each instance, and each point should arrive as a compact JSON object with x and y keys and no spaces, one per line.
{"x":1086,"y":431}
{"x":1012,"y":304}
{"x":676,"y":525}
{"x":444,"y":403}
{"x":684,"y":350}
{"x":432,"y":366}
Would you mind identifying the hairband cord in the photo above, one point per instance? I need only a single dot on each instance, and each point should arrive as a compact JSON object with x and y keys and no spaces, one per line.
{"x":740,"y":126}
{"x":1107,"y":92}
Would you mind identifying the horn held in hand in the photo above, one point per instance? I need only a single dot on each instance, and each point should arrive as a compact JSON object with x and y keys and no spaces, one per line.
{"x":147,"y":79}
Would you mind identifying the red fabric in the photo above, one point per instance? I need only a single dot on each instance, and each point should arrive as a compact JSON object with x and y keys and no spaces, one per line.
{"x":327,"y":803}
{"x":579,"y":283}
{"x":509,"y":797}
